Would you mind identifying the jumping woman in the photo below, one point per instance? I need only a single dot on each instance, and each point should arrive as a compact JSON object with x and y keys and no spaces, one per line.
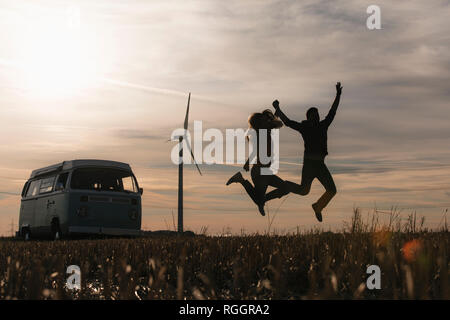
{"x":257,"y":192}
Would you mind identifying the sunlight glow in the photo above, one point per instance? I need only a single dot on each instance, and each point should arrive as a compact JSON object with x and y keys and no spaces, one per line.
{"x":55,"y":58}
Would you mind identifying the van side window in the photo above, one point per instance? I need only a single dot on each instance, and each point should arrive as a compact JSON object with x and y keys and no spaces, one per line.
{"x":33,"y":189}
{"x":128,"y":184}
{"x":47,"y":185}
{"x":25,"y":186}
{"x":62,"y":180}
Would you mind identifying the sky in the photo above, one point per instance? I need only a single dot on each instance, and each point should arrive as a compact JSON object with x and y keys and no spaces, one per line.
{"x":109,"y":80}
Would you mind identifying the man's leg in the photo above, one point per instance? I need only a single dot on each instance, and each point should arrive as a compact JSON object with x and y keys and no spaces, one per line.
{"x":281,"y":186}
{"x":324,"y":176}
{"x":308,"y":175}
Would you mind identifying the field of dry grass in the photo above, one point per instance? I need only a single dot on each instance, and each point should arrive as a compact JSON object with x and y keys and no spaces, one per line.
{"x":314,"y":265}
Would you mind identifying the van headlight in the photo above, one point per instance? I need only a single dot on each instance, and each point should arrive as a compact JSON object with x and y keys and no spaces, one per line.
{"x":82,"y":211}
{"x":133,"y":214}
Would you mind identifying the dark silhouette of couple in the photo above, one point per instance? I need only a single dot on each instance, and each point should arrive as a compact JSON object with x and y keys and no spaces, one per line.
{"x":314,"y":133}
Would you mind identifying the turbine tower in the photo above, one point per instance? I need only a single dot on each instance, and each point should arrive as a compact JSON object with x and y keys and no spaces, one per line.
{"x":180,"y":167}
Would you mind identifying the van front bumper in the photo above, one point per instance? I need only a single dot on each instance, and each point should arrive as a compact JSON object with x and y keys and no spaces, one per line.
{"x":106,"y":231}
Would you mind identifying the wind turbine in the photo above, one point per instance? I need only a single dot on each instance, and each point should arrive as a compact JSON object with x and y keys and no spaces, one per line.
{"x":180,"y":167}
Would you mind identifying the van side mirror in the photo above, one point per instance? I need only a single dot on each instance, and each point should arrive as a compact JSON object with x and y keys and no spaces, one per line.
{"x":59,"y":186}
{"x":141,"y":191}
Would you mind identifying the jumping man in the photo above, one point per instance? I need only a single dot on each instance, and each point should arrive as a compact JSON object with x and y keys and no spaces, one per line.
{"x":314,"y":133}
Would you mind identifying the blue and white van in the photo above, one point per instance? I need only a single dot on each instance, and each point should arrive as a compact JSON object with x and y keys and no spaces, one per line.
{"x":81,"y":197}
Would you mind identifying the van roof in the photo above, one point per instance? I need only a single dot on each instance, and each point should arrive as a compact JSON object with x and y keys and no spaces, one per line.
{"x":71,"y":164}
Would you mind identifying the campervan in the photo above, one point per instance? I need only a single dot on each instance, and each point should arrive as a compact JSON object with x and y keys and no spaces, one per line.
{"x":81,"y":197}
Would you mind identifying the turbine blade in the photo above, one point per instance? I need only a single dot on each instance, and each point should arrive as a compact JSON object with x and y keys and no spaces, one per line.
{"x":192,"y":155}
{"x":186,"y":119}
{"x":196,"y":163}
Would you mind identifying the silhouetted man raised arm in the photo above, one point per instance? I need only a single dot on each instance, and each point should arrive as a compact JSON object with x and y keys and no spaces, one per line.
{"x":332,"y":113}
{"x":314,"y":133}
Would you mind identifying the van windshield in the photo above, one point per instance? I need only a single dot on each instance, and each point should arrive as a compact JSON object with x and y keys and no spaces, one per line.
{"x":103,"y":179}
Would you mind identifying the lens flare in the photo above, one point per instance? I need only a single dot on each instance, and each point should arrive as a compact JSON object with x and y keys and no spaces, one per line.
{"x":412,"y":249}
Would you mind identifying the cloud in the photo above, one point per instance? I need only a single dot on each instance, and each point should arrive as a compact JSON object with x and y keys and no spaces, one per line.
{"x":140,"y":134}
{"x":9,"y":193}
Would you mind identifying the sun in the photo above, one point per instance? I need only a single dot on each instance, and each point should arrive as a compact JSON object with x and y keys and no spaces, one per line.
{"x":55,"y":59}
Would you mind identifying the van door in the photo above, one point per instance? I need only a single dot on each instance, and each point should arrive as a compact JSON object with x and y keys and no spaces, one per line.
{"x":45,"y":205}
{"x":59,"y":205}
{"x":27,"y":208}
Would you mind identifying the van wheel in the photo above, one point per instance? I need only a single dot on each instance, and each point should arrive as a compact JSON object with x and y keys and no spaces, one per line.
{"x":56,"y":230}
{"x":26,"y":234}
